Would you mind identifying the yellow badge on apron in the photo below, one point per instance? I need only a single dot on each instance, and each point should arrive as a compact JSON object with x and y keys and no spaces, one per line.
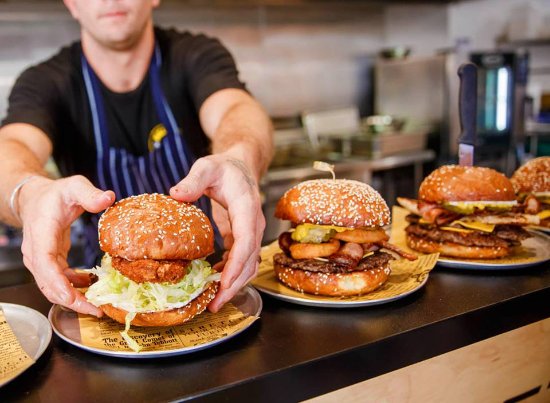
{"x":156,"y":135}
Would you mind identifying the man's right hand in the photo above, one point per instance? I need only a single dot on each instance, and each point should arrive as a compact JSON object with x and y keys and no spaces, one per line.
{"x":47,"y":209}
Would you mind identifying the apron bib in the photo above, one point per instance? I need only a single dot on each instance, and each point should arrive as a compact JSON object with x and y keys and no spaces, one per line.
{"x":126,"y":174}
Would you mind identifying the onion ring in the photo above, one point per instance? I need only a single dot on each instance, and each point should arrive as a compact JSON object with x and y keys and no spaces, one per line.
{"x":362,"y":236}
{"x":313,"y":250}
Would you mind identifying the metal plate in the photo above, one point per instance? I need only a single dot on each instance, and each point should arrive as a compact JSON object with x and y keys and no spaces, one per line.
{"x":65,"y":324}
{"x":31,"y":328}
{"x":340,"y":303}
{"x":533,"y":251}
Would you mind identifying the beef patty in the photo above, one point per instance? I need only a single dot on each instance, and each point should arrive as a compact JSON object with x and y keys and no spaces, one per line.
{"x":502,"y":236}
{"x":377,"y":260}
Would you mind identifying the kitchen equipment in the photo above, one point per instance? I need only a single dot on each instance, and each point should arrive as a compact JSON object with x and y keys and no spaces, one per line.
{"x":378,"y":145}
{"x":426,"y":89}
{"x":501,"y":78}
{"x":468,"y":113}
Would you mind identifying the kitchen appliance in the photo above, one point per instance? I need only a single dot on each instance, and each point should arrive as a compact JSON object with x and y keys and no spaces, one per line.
{"x":426,"y":90}
{"x":500,"y":112}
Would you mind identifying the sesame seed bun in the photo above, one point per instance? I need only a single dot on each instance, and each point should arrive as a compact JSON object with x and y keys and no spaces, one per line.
{"x":340,"y":202}
{"x":170,"y":317}
{"x":533,"y":176}
{"x":461,"y":183}
{"x":155,"y":226}
{"x":333,"y":284}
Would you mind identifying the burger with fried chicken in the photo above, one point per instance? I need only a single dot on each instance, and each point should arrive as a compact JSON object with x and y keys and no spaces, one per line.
{"x":466,"y":212}
{"x":532,"y":186}
{"x":337,"y":245}
{"x":154,"y":271}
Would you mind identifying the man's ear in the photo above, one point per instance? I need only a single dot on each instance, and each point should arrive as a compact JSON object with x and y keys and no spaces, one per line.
{"x":70,"y":4}
{"x":155,"y":3}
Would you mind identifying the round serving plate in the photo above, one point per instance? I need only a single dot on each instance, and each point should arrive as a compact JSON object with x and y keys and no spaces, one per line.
{"x":66,"y":325}
{"x":325,"y":302}
{"x":31,"y":328}
{"x":533,"y":251}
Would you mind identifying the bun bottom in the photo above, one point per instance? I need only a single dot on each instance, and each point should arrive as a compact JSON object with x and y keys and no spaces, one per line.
{"x":456,"y":250}
{"x":170,"y":317}
{"x":332,"y":284}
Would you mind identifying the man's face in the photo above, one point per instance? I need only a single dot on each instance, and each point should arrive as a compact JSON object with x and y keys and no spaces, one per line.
{"x":116,"y":24}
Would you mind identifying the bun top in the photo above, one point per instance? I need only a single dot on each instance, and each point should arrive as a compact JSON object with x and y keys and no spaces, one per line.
{"x":340,"y":202}
{"x":461,"y":183}
{"x":155,"y":226}
{"x":533,"y":176}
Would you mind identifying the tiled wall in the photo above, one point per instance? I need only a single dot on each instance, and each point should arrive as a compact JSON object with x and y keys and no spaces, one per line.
{"x":293,"y":57}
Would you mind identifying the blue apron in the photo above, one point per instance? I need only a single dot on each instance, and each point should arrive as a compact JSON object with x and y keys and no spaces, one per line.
{"x":127,"y":174}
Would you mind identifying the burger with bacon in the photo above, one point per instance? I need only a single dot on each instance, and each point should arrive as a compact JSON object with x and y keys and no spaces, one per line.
{"x":336,"y":244}
{"x":466,"y":212}
{"x":532,"y":185}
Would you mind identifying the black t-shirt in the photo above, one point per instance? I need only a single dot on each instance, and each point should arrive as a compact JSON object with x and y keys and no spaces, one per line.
{"x":52,"y":96}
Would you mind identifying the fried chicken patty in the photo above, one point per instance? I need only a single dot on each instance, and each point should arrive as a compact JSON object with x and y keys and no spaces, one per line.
{"x":154,"y":271}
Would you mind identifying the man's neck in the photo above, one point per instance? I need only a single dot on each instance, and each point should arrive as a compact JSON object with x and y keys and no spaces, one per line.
{"x":120,"y":70}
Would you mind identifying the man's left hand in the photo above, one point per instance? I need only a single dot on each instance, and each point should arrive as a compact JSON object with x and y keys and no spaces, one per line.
{"x":228,"y":181}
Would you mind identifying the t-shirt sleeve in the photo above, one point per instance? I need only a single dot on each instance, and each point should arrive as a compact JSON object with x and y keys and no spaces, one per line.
{"x":210,"y":68}
{"x":33,"y":101}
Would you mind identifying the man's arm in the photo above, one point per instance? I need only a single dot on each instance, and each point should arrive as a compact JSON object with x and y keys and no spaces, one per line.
{"x":25,"y":150}
{"x":45,"y":208}
{"x":242,"y":147}
{"x":236,"y":123}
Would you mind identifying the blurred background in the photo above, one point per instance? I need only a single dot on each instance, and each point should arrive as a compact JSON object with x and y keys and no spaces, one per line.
{"x":370,"y":86}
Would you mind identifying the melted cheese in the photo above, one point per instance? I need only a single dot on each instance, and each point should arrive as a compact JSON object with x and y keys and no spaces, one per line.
{"x":367,"y":254}
{"x":468,"y":207}
{"x":476,"y":225}
{"x":467,"y":231}
{"x":544,"y":214}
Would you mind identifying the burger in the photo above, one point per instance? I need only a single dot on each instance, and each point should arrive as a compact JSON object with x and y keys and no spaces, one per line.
{"x":153,"y":272}
{"x":532,"y":185}
{"x":336,"y":244}
{"x":466,"y":212}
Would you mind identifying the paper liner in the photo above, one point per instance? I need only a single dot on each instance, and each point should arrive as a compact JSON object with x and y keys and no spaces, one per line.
{"x":532,"y":250}
{"x":13,"y":358}
{"x":104,"y":333}
{"x":405,"y":277}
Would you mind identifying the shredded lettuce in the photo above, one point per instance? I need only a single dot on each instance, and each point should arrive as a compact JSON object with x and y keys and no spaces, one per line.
{"x":121,"y":292}
{"x":131,"y":342}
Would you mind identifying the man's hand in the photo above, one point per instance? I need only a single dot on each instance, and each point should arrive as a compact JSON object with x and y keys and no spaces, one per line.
{"x":48,"y":208}
{"x":228,"y":182}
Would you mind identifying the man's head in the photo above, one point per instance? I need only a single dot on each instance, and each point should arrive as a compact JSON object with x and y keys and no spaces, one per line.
{"x":116,"y":24}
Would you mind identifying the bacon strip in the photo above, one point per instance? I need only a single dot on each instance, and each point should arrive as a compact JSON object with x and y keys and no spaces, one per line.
{"x":285,"y":240}
{"x":348,"y":255}
{"x":532,"y":205}
{"x":398,"y":250}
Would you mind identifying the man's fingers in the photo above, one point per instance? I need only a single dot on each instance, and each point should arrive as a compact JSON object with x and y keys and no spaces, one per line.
{"x":57,"y":289}
{"x":202,"y":175}
{"x":225,"y":294}
{"x":82,"y":192}
{"x":79,"y":279}
{"x":46,"y":262}
{"x":245,"y":238}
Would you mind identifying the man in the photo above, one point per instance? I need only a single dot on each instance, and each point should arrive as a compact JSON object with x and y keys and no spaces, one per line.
{"x":131,"y":109}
